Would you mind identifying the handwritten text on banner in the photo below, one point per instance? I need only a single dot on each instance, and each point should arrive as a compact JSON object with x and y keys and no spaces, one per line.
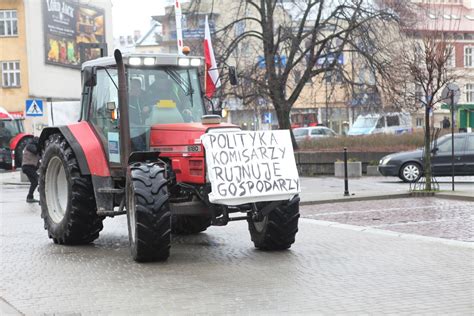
{"x":247,"y":166}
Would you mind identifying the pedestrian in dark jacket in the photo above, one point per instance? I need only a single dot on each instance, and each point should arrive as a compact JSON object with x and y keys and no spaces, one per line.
{"x":30,"y":167}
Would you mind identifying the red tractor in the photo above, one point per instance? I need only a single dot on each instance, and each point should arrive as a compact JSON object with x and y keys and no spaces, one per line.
{"x":136,"y":150}
{"x":13,"y":139}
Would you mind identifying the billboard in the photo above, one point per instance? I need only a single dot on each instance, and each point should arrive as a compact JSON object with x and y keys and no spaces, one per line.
{"x":67,"y":24}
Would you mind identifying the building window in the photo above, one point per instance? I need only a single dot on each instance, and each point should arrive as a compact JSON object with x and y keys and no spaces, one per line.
{"x":469,"y":88}
{"x":10,"y":74}
{"x":451,"y":57}
{"x":8,"y":23}
{"x":419,"y":122}
{"x":468,"y":58}
{"x":419,"y":94}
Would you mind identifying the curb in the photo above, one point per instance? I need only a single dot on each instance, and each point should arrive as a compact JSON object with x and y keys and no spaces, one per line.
{"x":450,"y":242}
{"x":392,"y":196}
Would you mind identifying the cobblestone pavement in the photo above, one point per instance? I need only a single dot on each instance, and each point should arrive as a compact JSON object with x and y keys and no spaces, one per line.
{"x":423,"y":216}
{"x":327,"y":271}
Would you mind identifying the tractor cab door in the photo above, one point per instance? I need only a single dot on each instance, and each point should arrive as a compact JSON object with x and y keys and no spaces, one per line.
{"x":103,"y":114}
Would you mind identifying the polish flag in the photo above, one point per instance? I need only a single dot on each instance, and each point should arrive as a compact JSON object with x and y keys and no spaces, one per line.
{"x":212,"y":73}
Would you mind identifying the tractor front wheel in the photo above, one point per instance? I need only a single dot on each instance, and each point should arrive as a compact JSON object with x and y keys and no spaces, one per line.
{"x":277,"y":230}
{"x":67,"y":198}
{"x":148,"y":213}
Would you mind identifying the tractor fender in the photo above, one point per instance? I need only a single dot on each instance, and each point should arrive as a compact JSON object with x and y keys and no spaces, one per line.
{"x":17,"y":138}
{"x":86,"y":146}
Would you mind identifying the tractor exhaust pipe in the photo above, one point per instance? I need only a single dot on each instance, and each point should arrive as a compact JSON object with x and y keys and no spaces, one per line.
{"x":124,"y":113}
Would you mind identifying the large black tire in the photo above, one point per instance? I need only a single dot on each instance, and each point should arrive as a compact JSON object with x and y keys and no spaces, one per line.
{"x":410,"y":172}
{"x":19,"y":150}
{"x":67,"y":198}
{"x":277,"y":230}
{"x":188,"y":225}
{"x":148,"y":213}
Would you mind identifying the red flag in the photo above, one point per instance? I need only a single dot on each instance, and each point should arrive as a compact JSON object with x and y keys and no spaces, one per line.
{"x":212,"y":73}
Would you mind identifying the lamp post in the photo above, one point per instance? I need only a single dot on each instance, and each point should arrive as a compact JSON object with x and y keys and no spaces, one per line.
{"x":327,"y":102}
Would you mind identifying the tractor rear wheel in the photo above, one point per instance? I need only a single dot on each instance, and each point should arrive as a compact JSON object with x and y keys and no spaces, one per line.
{"x":278,"y":229}
{"x":188,"y":225}
{"x":67,"y":198}
{"x":148,"y":212}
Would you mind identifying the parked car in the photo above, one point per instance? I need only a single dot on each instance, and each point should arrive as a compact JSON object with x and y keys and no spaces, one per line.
{"x":388,"y":123}
{"x":408,"y":166}
{"x":312,"y":132}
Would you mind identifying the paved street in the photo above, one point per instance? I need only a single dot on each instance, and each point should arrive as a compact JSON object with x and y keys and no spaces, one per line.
{"x":427,"y":216}
{"x":328,"y":270}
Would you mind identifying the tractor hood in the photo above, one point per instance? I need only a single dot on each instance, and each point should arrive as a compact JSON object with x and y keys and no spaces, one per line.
{"x":181,"y":133}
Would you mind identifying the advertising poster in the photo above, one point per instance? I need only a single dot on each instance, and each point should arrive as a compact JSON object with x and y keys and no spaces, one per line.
{"x":66,"y":25}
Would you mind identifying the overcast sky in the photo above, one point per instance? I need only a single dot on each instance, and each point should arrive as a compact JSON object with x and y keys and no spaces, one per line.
{"x":135,"y":15}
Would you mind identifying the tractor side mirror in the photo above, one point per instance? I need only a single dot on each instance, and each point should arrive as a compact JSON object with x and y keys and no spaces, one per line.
{"x":89,"y":76}
{"x":232,"y":76}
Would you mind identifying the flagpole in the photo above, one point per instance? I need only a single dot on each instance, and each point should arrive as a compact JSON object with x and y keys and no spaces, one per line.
{"x":205,"y":77}
{"x":179,"y":30}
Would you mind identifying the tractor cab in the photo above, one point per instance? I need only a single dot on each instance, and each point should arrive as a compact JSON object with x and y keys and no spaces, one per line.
{"x":13,"y":139}
{"x":9,"y":128}
{"x":161,"y":92}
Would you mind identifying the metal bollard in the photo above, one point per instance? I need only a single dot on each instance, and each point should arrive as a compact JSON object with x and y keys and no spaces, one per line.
{"x":346,"y":181}
{"x":13,"y":160}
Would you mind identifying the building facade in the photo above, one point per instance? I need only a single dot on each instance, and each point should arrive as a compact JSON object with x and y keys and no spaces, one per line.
{"x":43,"y":46}
{"x":454,"y":20}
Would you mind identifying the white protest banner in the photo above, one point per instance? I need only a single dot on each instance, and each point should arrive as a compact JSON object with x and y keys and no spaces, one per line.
{"x":248,"y":167}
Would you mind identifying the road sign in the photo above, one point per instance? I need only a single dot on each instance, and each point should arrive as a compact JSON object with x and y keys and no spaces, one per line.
{"x":34,"y":107}
{"x":451,"y":89}
{"x":267,"y":117}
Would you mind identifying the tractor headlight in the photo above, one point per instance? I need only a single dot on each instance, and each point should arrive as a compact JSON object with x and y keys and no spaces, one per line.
{"x":195,"y":62}
{"x":183,"y":62}
{"x":135,"y":61}
{"x":149,"y":61}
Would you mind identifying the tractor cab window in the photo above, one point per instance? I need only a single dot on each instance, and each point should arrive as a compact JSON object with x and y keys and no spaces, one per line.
{"x":103,"y":93}
{"x":164,"y":96}
{"x":7,"y":131}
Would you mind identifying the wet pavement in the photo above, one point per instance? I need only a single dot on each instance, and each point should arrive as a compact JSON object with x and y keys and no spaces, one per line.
{"x":329,"y":270}
{"x":427,"y":216}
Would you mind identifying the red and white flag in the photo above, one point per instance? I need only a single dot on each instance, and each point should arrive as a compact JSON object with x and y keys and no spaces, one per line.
{"x":212,"y":73}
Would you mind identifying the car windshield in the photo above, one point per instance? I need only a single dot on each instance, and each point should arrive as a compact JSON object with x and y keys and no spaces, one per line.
{"x":300,"y":132}
{"x":365,"y":122}
{"x":164,"y":96}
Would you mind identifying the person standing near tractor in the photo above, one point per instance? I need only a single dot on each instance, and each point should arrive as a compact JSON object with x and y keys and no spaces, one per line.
{"x":30,"y":167}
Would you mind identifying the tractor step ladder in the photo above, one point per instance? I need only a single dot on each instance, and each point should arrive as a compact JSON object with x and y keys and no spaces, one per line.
{"x":110,"y":190}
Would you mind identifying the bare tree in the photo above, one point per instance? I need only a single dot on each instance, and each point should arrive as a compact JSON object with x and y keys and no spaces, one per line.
{"x":425,"y":61}
{"x":304,"y":36}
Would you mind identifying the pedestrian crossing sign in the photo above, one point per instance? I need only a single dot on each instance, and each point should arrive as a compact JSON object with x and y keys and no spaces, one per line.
{"x":34,"y":107}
